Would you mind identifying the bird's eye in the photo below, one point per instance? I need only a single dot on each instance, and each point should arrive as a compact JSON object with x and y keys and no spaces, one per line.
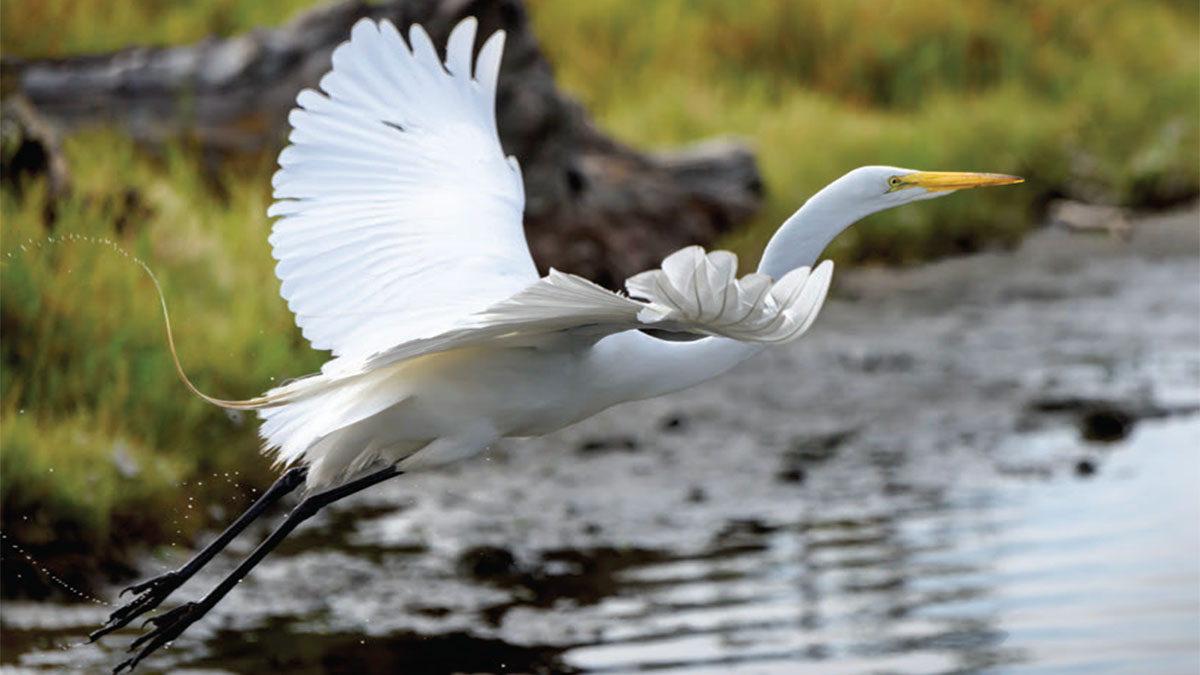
{"x":894,"y":181}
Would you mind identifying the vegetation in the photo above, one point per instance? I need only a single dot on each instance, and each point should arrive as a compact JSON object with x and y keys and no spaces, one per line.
{"x":97,"y":432}
{"x":1075,"y":95}
{"x":1097,"y":100}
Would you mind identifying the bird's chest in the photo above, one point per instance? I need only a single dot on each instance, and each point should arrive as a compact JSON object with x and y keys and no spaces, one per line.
{"x":521,"y":392}
{"x":546,"y":399}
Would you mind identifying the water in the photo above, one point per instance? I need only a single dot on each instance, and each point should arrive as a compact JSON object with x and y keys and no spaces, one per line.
{"x":1070,"y":573}
{"x":1002,"y":481}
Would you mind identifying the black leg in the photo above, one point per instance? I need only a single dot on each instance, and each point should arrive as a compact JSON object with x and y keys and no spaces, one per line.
{"x":153,"y":591}
{"x":170,"y":625}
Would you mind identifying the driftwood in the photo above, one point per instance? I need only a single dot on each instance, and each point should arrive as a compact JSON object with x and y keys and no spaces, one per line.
{"x":1083,"y":217}
{"x":30,"y":147}
{"x":593,"y":206}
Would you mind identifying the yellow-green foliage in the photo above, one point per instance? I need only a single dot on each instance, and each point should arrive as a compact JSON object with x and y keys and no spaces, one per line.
{"x":40,"y":28}
{"x":96,"y":429}
{"x":1083,"y":97}
{"x":1095,"y":99}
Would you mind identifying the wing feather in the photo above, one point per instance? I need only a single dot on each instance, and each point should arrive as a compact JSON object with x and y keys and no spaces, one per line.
{"x":692,"y":293}
{"x":459,"y":46}
{"x":399,"y":215}
{"x":487,"y":66}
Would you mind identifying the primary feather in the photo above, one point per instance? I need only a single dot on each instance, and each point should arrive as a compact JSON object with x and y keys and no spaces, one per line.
{"x":399,"y":212}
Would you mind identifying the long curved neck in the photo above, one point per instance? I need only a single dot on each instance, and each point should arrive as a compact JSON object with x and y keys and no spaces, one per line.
{"x":633,"y":365}
{"x":801,"y":238}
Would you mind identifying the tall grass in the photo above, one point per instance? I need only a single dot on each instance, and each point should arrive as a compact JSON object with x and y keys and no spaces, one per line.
{"x":97,"y":432}
{"x":1095,"y":100}
{"x":41,"y":28}
{"x":99,"y":444}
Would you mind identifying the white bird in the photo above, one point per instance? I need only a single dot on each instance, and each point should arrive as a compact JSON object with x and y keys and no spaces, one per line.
{"x":401,"y":249}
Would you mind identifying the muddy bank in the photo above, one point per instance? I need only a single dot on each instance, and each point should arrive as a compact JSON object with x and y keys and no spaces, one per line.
{"x":989,"y":461}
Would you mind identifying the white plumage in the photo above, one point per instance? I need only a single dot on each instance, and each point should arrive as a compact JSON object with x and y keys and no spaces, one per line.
{"x":400,"y":213}
{"x":401,"y":250}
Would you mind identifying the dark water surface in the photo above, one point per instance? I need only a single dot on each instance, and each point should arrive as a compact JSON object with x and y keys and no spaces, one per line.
{"x":985,"y":465}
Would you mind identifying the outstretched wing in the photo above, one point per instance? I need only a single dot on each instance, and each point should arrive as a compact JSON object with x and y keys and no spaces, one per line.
{"x":693,"y":293}
{"x":399,"y":213}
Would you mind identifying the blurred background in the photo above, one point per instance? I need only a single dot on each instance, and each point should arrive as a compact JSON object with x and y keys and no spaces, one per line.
{"x":975,"y":463}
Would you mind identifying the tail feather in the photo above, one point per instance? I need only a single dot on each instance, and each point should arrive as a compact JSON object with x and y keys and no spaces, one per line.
{"x":313,"y":409}
{"x":353,"y":449}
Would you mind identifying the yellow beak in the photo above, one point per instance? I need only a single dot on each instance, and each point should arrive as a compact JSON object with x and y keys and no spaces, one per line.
{"x":936,"y":181}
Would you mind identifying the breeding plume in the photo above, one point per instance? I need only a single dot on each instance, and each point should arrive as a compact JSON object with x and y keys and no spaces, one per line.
{"x":401,"y":250}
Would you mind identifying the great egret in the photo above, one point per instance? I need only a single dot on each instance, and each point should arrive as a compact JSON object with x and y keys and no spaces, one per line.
{"x":401,"y":249}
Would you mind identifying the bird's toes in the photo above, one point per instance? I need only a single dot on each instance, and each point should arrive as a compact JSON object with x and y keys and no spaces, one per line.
{"x":167,"y":627}
{"x":147,"y":595}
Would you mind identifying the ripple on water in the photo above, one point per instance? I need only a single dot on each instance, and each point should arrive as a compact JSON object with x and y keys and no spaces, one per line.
{"x":1061,"y":575}
{"x":1067,"y":573}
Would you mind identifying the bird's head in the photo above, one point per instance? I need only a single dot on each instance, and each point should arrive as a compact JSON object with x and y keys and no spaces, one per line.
{"x":854,"y":196}
{"x":882,"y":187}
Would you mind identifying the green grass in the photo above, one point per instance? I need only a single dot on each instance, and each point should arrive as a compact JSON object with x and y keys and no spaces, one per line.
{"x":97,"y":431}
{"x":40,"y":28}
{"x":1095,"y":100}
{"x":102,"y":448}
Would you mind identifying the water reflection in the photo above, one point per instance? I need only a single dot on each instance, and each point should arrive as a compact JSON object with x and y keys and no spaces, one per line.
{"x":1063,"y":575}
{"x":843,"y":594}
{"x":1060,"y":572}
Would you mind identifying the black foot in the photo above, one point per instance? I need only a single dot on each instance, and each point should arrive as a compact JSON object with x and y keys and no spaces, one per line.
{"x":148,"y":594}
{"x":167,"y":627}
